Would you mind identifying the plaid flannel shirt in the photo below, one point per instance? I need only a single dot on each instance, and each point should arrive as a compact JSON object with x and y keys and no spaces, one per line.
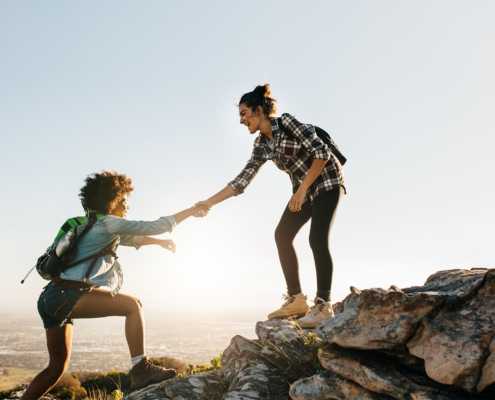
{"x":293,"y":157}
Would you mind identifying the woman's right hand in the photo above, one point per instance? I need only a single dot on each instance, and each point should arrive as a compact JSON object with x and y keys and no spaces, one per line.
{"x":203,"y":207}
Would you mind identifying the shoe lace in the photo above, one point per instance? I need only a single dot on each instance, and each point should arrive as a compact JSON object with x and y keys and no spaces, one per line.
{"x":288,"y":300}
{"x":148,"y":364}
{"x":316,"y":309}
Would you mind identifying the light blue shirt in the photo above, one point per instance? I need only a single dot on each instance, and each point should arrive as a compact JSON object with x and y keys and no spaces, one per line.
{"x":107,"y":270}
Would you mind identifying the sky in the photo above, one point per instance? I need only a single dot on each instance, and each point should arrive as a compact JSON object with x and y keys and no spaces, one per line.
{"x":150,"y":89}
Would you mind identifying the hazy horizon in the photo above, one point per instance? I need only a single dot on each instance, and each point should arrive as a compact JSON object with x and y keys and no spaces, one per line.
{"x":406,"y":89}
{"x":100,"y":345}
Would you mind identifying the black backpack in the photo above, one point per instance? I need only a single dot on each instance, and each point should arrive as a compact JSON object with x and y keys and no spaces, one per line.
{"x":323,"y":135}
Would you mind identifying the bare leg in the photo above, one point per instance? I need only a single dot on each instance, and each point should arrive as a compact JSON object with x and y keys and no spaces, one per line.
{"x":59,"y":343}
{"x":100,"y":303}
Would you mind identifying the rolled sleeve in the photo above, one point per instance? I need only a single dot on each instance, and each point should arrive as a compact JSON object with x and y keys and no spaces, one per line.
{"x":172,"y":222}
{"x":132,"y":241}
{"x":242,"y":181}
{"x":306,"y":134}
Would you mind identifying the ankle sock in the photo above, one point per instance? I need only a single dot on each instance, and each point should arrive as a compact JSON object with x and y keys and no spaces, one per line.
{"x":137,"y":359}
{"x":293,"y":290}
{"x":323,"y":294}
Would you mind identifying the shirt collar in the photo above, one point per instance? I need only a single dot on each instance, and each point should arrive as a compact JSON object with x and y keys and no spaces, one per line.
{"x":275,"y":131}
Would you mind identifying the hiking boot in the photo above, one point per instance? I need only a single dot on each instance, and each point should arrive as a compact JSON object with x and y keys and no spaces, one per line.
{"x":294,"y":306}
{"x":146,"y":373}
{"x":320,"y":311}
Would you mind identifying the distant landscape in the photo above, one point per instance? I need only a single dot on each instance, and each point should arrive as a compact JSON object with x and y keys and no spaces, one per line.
{"x":99,"y":344}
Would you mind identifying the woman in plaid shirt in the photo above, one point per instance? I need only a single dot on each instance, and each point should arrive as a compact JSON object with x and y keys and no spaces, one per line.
{"x":318,"y":184}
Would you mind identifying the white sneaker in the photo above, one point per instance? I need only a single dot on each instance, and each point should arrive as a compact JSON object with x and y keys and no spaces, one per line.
{"x":294,"y":306}
{"x":320,"y":311}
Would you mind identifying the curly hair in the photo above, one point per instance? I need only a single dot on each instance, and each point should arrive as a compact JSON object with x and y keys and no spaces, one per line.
{"x":260,"y":96}
{"x":104,"y":190}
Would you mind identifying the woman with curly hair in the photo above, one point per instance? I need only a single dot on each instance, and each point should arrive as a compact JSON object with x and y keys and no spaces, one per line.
{"x":318,"y":184}
{"x":76,"y":292}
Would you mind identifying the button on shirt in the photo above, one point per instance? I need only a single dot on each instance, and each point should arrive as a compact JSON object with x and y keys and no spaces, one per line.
{"x":293,"y":156}
{"x":107,"y":270}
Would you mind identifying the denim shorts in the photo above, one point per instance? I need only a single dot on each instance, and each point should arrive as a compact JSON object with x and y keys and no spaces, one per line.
{"x":56,"y":303}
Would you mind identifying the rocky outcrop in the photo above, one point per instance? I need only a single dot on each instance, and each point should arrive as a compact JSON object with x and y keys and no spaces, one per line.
{"x":330,"y":386}
{"x":457,"y":344}
{"x":432,"y":342}
{"x":250,"y":376}
{"x":382,"y":375}
{"x":193,"y":387}
{"x":443,"y":329}
{"x":17,"y":394}
{"x":251,"y":369}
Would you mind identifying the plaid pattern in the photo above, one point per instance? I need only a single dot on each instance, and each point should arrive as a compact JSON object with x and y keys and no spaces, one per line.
{"x":293,"y":157}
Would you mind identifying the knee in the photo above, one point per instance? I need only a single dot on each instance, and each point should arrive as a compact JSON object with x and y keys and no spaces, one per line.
{"x":281,"y":237}
{"x":318,"y":243}
{"x":135,"y":305}
{"x":56,"y":369}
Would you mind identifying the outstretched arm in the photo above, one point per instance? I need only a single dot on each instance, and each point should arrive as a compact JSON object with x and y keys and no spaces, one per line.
{"x":226,"y":193}
{"x":167,"y":244}
{"x":138,"y":240}
{"x":188,"y":212}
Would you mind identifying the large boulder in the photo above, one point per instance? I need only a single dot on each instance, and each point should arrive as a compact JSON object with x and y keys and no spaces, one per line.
{"x":444,"y":330}
{"x":430,"y":342}
{"x":380,"y":374}
{"x":379,"y":319}
{"x":251,"y":376}
{"x":330,"y":386}
{"x":292,"y":350}
{"x":192,"y":387}
{"x":457,"y":345}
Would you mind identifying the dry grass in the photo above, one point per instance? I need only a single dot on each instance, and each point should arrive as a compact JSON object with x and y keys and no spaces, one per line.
{"x":310,"y":345}
{"x":12,"y":378}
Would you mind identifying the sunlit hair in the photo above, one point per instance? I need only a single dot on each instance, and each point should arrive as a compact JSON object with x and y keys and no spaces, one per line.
{"x":103,"y":191}
{"x":260,"y":96}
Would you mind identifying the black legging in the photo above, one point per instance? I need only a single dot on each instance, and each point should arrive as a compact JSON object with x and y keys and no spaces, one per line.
{"x":322,"y":213}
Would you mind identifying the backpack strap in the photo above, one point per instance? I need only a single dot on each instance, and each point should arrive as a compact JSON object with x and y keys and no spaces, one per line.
{"x":91,"y":221}
{"x":108,"y":249}
{"x":284,"y":129}
{"x":324,"y":137}
{"x":102,"y":252}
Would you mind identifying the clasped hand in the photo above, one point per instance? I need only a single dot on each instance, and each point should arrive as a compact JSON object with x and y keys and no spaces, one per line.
{"x":203,"y":208}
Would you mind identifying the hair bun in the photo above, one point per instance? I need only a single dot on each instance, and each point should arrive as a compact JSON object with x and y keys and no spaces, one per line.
{"x":260,"y":97}
{"x":263,"y":90}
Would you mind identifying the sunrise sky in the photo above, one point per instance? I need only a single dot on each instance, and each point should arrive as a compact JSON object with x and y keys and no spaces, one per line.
{"x":406,"y":89}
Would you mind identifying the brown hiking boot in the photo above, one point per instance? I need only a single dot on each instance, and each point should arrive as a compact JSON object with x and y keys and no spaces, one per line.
{"x":146,"y":373}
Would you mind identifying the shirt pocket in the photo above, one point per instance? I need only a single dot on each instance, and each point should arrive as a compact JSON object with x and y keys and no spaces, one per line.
{"x":289,"y":148}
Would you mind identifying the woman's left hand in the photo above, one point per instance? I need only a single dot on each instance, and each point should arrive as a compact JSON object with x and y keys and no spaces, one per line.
{"x":168,"y":245}
{"x":297,"y":200}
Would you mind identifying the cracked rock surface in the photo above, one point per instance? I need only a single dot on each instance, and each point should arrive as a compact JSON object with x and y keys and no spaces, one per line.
{"x":192,"y":387}
{"x":380,"y":374}
{"x":456,"y":343}
{"x":330,"y":386}
{"x":442,"y":331}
